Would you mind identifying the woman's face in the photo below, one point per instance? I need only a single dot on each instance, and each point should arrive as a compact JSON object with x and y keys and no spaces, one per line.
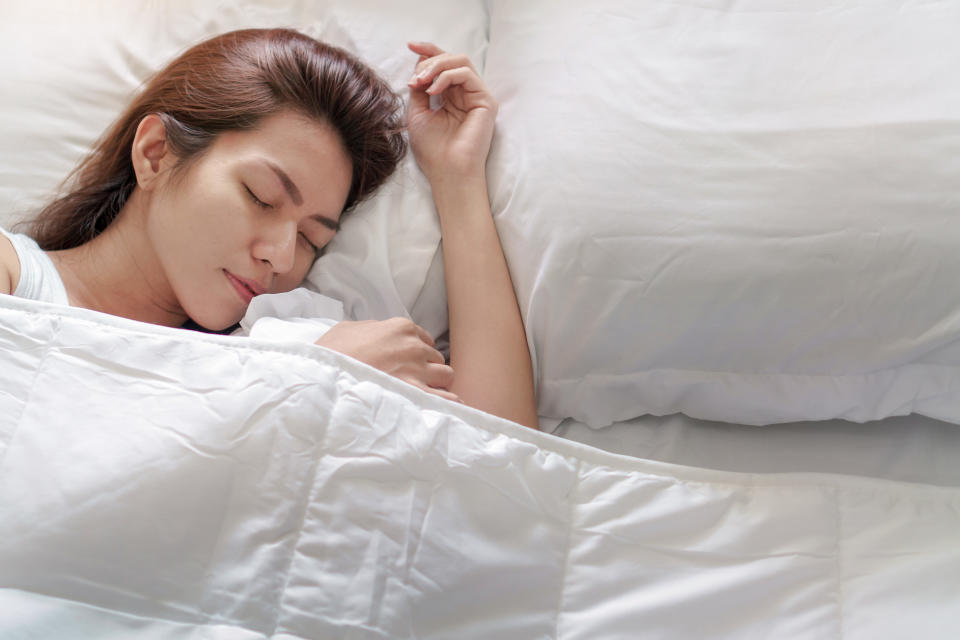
{"x":249,"y":216}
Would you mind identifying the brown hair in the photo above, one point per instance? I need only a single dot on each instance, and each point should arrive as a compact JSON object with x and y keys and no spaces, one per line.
{"x":230,"y":82}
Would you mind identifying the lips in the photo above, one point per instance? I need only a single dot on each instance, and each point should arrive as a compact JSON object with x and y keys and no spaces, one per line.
{"x":244,"y":287}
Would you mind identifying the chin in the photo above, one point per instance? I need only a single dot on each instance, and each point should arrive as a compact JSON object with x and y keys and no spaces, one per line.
{"x":212,"y":321}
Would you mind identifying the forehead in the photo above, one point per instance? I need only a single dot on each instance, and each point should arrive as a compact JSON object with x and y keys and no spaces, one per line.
{"x":310,"y":152}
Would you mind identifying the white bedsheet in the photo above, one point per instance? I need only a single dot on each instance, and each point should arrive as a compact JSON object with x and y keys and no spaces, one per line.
{"x":910,"y":448}
{"x":156,"y":483}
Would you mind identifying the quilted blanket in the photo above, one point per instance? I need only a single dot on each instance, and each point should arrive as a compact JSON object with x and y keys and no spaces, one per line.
{"x":158,"y":483}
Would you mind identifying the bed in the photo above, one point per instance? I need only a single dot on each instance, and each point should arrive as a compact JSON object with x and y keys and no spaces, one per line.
{"x":733,"y":232}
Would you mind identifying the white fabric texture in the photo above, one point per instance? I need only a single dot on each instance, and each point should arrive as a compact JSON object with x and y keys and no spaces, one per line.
{"x":742,"y":211}
{"x":157,"y":483}
{"x":300,"y":315}
{"x":39,"y":278}
{"x":75,"y":65}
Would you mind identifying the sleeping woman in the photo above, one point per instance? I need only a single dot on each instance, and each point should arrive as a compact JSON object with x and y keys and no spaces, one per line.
{"x":231,"y":171}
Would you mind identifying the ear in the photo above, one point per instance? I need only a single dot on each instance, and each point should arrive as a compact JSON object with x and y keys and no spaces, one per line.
{"x":150,"y":154}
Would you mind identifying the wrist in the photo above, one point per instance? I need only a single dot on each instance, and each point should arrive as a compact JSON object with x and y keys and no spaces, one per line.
{"x":454,"y":193}
{"x":457,"y":183}
{"x":449,"y":169}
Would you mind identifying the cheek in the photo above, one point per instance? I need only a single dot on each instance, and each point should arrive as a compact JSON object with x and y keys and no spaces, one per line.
{"x":199,"y":210}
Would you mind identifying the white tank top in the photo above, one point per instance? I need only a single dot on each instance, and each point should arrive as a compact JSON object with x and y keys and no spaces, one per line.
{"x":39,"y":279}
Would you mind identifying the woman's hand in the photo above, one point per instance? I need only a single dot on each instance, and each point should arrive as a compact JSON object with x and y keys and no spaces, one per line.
{"x":396,"y":346}
{"x":453,"y":141}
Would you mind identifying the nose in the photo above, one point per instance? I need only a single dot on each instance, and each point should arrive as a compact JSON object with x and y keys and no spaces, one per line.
{"x":277,"y":245}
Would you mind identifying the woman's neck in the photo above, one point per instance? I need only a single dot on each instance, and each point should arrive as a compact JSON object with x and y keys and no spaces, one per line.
{"x":118,"y":272}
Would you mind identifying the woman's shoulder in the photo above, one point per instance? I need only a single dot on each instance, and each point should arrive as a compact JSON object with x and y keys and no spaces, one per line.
{"x":9,"y":264}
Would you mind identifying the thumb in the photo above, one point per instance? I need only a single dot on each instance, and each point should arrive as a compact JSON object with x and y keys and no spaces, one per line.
{"x":419,"y":100}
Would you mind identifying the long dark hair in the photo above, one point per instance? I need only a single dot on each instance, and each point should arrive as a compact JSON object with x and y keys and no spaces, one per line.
{"x":229,"y":82}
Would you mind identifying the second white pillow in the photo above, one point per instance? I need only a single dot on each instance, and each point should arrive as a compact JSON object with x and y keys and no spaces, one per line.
{"x":744,"y":212}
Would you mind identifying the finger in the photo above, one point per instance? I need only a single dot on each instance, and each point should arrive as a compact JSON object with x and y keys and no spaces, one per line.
{"x":439,"y":376}
{"x":432,"y":355}
{"x":419,"y":100}
{"x":427,"y":70}
{"x":462,"y":76}
{"x":435,"y":64}
{"x":427,"y":49}
{"x":446,"y":394}
{"x":443,"y":394}
{"x":405,"y":326}
{"x":424,"y":335}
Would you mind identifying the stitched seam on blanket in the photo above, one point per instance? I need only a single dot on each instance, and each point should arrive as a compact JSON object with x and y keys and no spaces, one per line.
{"x":202,"y":619}
{"x":567,"y":546}
{"x":839,"y":563}
{"x":307,"y":501}
{"x":29,"y":399}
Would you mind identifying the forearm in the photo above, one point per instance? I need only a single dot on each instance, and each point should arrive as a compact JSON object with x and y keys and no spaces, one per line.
{"x":488,"y":345}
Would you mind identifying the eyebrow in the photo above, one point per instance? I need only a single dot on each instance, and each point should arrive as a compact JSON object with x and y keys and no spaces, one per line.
{"x":297,"y":198}
{"x":330,"y":223}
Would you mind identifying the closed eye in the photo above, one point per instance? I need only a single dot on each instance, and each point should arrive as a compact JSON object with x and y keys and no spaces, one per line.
{"x":316,"y":249}
{"x":260,"y":203}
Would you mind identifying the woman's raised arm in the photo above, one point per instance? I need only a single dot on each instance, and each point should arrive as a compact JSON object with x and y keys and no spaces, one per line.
{"x":488,"y":346}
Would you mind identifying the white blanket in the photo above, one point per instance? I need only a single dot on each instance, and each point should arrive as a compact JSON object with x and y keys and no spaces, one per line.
{"x":157,"y":483}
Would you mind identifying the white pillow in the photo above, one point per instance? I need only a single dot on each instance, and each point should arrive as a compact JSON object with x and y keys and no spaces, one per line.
{"x":69,"y":68}
{"x":746,"y":212}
